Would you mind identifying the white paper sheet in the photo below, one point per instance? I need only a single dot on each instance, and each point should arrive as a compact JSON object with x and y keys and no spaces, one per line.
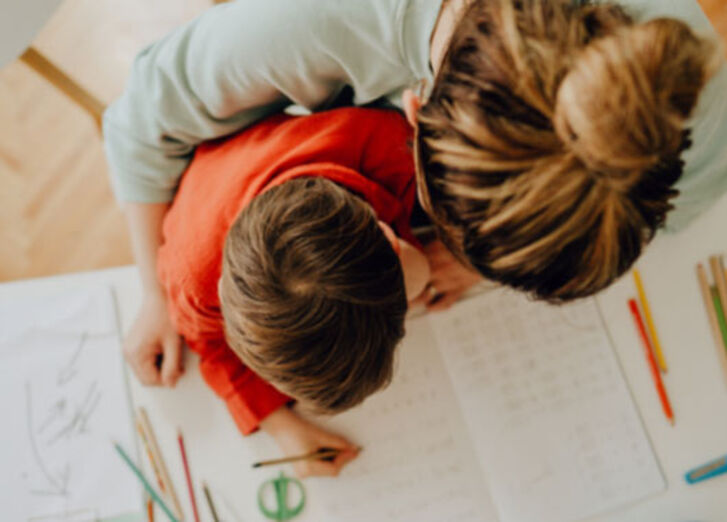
{"x":417,"y":462}
{"x":63,"y":399}
{"x":548,"y":409}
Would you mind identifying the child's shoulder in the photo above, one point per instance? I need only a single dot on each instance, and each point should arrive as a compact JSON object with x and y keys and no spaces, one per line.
{"x":362,"y":125}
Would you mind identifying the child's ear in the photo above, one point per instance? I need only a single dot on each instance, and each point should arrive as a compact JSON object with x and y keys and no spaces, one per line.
{"x":411,"y":104}
{"x":391,"y":236}
{"x":414,"y":263}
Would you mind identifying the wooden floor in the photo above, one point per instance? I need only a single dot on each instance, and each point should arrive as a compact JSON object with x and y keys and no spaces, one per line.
{"x":56,"y":207}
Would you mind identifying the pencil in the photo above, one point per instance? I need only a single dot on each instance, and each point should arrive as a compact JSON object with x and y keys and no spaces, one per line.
{"x":649,"y":321}
{"x":150,"y":455}
{"x":712,"y":315}
{"x":719,"y":280}
{"x":155,"y":455}
{"x":322,"y":453}
{"x":149,"y":489}
{"x":719,"y":311}
{"x":651,"y":361}
{"x":149,"y":509}
{"x":188,"y":475}
{"x":211,"y":504}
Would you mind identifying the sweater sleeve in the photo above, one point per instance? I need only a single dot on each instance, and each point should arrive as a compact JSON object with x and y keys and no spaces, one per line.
{"x":249,"y":398}
{"x":236,"y":64}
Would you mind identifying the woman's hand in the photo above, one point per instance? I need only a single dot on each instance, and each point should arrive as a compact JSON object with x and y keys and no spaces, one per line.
{"x":296,"y":436}
{"x":448,"y":280}
{"x":152,"y":347}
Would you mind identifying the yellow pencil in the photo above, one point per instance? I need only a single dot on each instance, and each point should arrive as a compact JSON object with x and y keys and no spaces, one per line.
{"x":649,"y":321}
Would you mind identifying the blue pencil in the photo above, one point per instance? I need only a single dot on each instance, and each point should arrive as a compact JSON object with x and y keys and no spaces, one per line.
{"x":706,"y":471}
{"x":154,"y":495}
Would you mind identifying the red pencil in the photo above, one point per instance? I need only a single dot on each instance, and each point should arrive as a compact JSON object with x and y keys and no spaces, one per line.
{"x":651,"y":360}
{"x":188,"y":475}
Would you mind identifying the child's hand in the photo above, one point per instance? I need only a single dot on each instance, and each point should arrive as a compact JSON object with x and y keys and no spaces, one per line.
{"x":449,"y":279}
{"x":296,"y":436}
{"x":151,"y":338}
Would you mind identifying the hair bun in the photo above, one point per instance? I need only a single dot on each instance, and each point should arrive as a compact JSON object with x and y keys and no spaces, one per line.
{"x":622,"y":106}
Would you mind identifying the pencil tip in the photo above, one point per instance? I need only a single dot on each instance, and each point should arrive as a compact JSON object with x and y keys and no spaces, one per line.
{"x":256,"y":465}
{"x":672,"y":421}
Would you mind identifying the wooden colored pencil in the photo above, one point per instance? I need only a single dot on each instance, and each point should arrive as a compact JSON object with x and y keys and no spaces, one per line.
{"x":188,"y":475}
{"x":712,"y":315}
{"x":147,"y":486}
{"x":149,"y":509}
{"x":323,"y":453}
{"x":150,"y":455}
{"x":651,"y":360}
{"x":649,"y":321}
{"x":211,"y":504}
{"x":160,"y":467}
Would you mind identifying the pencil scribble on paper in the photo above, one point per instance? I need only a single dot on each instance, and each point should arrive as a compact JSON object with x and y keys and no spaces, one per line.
{"x":55,"y":483}
{"x":62,"y":379}
{"x":69,"y":371}
{"x":77,"y":423}
{"x":66,"y":417}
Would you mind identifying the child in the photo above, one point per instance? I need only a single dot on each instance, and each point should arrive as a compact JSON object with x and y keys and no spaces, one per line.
{"x":311,"y":290}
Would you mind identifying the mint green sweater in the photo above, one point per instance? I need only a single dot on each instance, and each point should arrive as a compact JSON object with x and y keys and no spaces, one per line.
{"x":243,"y":60}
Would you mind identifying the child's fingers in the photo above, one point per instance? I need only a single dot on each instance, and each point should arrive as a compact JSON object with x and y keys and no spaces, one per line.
{"x":142,"y":360}
{"x":147,"y":373}
{"x":329,"y":468}
{"x":172,"y":360}
{"x":345,"y":457}
{"x":421,"y":299}
{"x":316,"y":468}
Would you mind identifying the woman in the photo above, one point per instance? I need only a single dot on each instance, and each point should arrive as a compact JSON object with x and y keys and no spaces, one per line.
{"x":230,"y":67}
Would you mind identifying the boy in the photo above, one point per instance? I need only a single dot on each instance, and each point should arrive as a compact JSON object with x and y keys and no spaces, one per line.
{"x":312,"y":288}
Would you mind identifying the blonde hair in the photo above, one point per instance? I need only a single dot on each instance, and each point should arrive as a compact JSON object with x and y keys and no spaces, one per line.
{"x":312,"y":294}
{"x":549,"y":149}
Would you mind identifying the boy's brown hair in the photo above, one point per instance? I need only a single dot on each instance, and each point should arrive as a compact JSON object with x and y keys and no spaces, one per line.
{"x":548,"y":151}
{"x":312,"y":294}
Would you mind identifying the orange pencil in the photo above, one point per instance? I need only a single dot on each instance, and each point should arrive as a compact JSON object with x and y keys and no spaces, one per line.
{"x":192,"y":498}
{"x":150,"y":509}
{"x":651,"y":361}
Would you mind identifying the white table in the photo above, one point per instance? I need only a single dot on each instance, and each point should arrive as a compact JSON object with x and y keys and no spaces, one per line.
{"x":696,"y":385}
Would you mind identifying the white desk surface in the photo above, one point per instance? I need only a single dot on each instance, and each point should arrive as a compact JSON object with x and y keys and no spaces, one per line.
{"x":220,"y":456}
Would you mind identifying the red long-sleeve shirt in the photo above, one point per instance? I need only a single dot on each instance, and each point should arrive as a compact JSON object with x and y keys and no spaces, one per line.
{"x":365,"y":150}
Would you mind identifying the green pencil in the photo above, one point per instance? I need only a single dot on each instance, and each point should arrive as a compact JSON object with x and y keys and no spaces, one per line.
{"x":154,"y":495}
{"x":720,"y":313}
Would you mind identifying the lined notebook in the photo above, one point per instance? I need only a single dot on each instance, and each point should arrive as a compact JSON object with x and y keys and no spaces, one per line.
{"x":501,"y":409}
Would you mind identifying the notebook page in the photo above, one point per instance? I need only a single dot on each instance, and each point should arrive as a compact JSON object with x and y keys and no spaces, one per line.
{"x":417,"y":463}
{"x":61,"y":383}
{"x":552,"y":419}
